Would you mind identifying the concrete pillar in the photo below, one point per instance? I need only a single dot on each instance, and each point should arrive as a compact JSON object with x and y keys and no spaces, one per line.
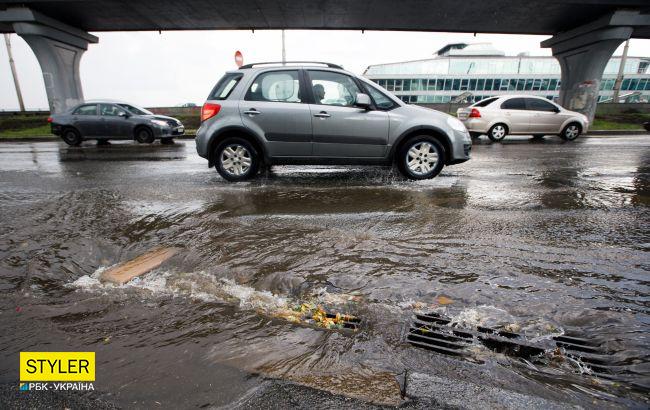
{"x":58,"y":48}
{"x":583,"y":66}
{"x":583,"y":53}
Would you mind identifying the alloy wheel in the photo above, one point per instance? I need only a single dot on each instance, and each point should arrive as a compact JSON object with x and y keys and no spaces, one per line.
{"x":236,"y":160}
{"x":498,"y":132}
{"x":421,"y":158}
{"x":572,"y":132}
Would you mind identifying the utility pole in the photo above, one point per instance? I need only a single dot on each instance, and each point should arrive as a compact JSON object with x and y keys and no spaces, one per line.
{"x":284,"y":52}
{"x":13,"y":72}
{"x":619,"y":77}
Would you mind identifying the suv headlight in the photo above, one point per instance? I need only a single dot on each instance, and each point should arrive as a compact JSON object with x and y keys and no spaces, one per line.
{"x":456,"y":124}
{"x":160,"y":123}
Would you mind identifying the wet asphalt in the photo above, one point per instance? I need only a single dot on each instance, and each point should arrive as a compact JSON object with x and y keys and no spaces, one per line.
{"x":545,"y":237}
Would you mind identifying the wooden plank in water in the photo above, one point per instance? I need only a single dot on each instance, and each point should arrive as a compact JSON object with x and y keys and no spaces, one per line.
{"x":126,"y":271}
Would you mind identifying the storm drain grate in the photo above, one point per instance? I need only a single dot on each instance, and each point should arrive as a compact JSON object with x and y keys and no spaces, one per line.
{"x":348,"y":322}
{"x":591,"y":355}
{"x":435,"y":332}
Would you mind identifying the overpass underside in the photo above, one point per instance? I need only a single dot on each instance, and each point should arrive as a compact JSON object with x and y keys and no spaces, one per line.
{"x":585,"y":33}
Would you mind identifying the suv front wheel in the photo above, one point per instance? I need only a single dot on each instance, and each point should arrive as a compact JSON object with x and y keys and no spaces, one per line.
{"x":236,"y":159}
{"x":421,"y":157}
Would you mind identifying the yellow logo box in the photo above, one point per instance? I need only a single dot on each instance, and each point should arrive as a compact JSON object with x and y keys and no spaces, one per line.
{"x":57,"y":366}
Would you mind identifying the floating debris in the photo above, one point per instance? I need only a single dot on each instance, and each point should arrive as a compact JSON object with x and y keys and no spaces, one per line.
{"x":126,"y":271}
{"x":315,"y":315}
{"x":444,"y":300}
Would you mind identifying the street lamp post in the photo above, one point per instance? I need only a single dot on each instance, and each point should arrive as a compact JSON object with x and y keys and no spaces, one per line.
{"x":619,"y":77}
{"x":13,"y":72}
{"x":284,"y":53}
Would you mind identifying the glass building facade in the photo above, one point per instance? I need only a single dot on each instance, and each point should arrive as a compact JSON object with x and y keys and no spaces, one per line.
{"x":475,"y":72}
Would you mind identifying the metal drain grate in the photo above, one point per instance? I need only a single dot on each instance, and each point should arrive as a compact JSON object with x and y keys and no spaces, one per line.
{"x":435,"y":332}
{"x":590,"y":354}
{"x":349,"y":322}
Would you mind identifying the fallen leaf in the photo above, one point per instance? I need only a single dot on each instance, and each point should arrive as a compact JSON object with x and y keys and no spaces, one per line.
{"x":443,"y":300}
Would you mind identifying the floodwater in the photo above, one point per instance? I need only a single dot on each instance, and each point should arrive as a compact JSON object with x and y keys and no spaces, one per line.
{"x":542,"y":237}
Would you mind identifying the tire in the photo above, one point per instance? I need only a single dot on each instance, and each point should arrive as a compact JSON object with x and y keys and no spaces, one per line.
{"x":498,"y":132}
{"x":144,"y":135}
{"x":421,"y":157}
{"x":71,"y":137}
{"x":474,"y":135}
{"x":166,"y":141}
{"x":571,"y":131}
{"x":236,"y":159}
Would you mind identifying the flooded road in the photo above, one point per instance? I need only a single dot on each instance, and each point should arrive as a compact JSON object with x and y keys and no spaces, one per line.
{"x":542,"y":238}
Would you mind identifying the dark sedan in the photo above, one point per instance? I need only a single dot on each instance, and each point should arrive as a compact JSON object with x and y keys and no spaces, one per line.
{"x":106,"y":120}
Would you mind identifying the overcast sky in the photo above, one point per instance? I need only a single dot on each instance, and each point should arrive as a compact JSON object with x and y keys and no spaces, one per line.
{"x":152,"y":69}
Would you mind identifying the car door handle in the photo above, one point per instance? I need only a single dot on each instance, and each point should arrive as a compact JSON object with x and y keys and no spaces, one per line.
{"x":322,"y":114}
{"x":252,"y":111}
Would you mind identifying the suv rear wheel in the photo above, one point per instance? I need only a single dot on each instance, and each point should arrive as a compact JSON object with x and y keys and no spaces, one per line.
{"x":236,"y":159}
{"x":421,"y":157}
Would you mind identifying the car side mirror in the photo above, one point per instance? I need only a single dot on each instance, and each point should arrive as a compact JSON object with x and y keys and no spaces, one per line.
{"x":556,"y":110}
{"x":123,"y":114}
{"x":363,"y":101}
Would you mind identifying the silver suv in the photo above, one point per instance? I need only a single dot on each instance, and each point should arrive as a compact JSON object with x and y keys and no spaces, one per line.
{"x":317,"y":113}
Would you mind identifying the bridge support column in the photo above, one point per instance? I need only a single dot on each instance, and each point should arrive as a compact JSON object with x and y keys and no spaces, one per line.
{"x":583,"y":54}
{"x":58,"y":48}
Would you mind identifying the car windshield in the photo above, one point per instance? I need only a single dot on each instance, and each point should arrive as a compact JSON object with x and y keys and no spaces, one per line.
{"x":135,"y":110}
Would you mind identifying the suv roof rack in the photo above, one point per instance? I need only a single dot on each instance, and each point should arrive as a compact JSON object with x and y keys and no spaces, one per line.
{"x":330,"y":65}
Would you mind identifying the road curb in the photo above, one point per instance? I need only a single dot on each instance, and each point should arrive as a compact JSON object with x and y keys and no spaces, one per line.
{"x":615,"y":132}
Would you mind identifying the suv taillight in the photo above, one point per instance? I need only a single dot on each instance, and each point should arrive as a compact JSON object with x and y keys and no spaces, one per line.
{"x":209,"y":110}
{"x":49,"y":119}
{"x":475,"y":113}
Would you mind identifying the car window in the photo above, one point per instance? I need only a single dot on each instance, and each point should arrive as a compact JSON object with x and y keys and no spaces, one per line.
{"x":225,"y":86}
{"x":86,"y":110}
{"x":135,"y":110}
{"x":535,"y":104}
{"x":485,"y":102}
{"x":276,"y":86}
{"x":110,"y":110}
{"x":382,"y":101}
{"x":333,"y":88}
{"x":514,"y":104}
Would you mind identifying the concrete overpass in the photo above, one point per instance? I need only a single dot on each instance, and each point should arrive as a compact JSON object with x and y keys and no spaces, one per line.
{"x":585,"y":33}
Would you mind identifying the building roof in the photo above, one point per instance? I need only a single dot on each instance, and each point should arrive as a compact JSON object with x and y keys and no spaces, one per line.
{"x":484,"y":58}
{"x":469,"y":49}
